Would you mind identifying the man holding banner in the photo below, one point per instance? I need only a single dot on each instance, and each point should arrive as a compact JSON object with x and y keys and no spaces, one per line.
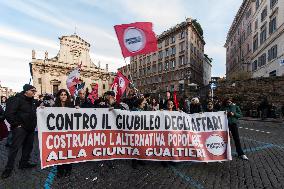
{"x":82,"y":101}
{"x":234,"y":113}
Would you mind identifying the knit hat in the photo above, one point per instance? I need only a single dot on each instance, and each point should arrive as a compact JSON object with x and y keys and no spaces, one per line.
{"x":196,"y":100}
{"x":27,"y":87}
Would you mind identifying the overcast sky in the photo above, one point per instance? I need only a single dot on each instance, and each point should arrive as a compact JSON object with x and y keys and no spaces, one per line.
{"x":37,"y":24}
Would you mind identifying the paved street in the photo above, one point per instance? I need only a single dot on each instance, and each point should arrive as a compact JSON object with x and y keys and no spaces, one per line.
{"x":263,"y":143}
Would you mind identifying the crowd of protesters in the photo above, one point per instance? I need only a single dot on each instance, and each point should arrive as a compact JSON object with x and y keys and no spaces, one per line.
{"x":20,"y":113}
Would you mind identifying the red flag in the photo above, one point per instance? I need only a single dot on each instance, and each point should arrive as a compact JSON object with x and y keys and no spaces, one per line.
{"x":136,"y":38}
{"x":94,"y":94}
{"x":175,"y":99}
{"x":119,"y":85}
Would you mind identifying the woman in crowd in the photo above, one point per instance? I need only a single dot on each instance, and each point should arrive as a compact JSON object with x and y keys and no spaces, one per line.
{"x":63,"y":99}
{"x":155,"y":105}
{"x":210,"y":107}
{"x":170,"y":105}
{"x":139,"y":104}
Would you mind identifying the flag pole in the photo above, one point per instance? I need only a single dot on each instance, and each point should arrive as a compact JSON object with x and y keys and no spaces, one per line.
{"x":129,"y":73}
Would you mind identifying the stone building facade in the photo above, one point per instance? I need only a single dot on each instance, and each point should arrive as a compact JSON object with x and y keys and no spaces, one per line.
{"x":176,"y":65}
{"x":239,"y":41}
{"x":268,"y":38}
{"x":207,"y":65}
{"x":50,"y":74}
{"x":255,"y":41}
{"x":5,"y":91}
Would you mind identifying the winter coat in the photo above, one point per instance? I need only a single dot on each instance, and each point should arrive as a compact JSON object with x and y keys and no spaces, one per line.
{"x":195,"y":108}
{"x":21,"y":111}
{"x":234,"y":109}
{"x":84,"y":104}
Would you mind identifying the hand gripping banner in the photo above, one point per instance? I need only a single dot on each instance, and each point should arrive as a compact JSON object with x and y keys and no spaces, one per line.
{"x":68,"y":135}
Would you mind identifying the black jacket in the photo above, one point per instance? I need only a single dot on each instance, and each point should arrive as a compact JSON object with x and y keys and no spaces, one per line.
{"x":195,"y":108}
{"x":21,"y":110}
{"x":84,"y":104}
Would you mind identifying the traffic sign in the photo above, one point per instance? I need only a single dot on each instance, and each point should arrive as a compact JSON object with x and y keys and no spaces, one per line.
{"x":213,"y":86}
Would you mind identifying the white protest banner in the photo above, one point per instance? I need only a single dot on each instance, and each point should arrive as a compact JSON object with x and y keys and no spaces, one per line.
{"x":68,"y":135}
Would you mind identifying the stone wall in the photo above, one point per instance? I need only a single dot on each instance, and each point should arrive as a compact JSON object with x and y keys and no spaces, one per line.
{"x":249,"y":93}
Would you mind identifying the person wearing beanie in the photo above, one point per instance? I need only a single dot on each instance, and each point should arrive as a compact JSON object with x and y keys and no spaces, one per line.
{"x":195,"y":106}
{"x":21,"y":115}
{"x":28,"y":87}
